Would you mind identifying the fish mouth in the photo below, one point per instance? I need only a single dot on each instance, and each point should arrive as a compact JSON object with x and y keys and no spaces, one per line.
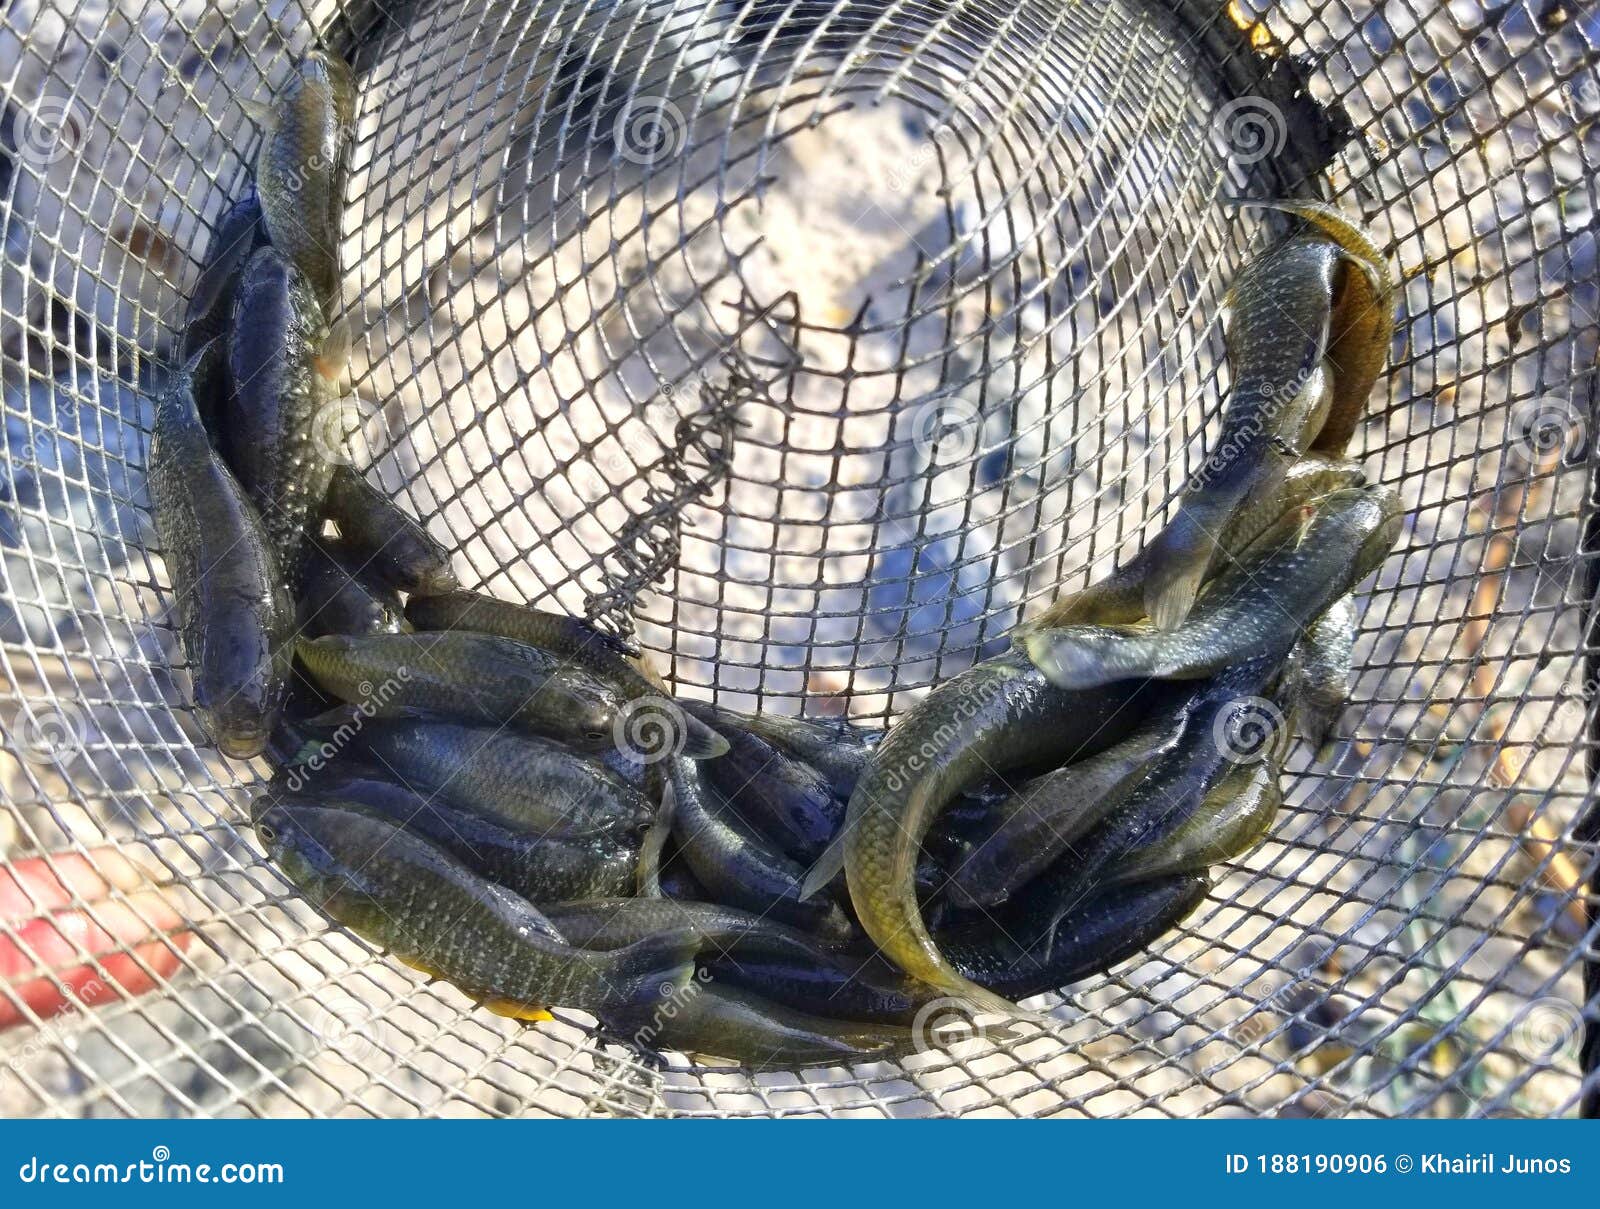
{"x":242,"y":742}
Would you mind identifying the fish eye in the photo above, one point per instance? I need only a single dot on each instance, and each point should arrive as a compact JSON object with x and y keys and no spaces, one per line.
{"x":266,"y":832}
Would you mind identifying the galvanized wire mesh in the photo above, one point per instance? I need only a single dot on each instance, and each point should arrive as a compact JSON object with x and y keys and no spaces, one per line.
{"x":814,"y":343}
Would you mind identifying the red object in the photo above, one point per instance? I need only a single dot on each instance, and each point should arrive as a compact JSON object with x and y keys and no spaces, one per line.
{"x":42,"y":931}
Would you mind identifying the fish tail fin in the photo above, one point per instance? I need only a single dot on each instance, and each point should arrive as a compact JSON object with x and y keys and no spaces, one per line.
{"x":1180,"y":556}
{"x":700,"y":742}
{"x":658,"y":967}
{"x":654,"y":844}
{"x":829,"y":865}
{"x":1354,"y":239}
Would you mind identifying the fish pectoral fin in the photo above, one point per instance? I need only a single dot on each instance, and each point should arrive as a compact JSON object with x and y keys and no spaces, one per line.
{"x":829,"y":865}
{"x":260,"y":113}
{"x":701,"y":742}
{"x":511,"y":1009}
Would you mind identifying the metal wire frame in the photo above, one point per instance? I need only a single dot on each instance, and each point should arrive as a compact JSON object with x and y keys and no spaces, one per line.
{"x":1000,"y":408}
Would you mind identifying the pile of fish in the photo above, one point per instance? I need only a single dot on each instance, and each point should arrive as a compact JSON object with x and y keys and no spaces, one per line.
{"x":462,"y":781}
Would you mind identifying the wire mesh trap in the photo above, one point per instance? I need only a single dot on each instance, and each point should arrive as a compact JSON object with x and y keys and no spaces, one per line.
{"x":810,"y":345}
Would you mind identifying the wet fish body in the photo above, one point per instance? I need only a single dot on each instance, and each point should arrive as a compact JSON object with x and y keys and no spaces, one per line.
{"x":574,"y":641}
{"x":737,"y":866}
{"x":1104,"y":930}
{"x":836,"y":748}
{"x":1000,"y":715}
{"x":1036,"y":825}
{"x":233,"y":618}
{"x":433,"y":912}
{"x":239,"y":232}
{"x":541,"y":867}
{"x":270,"y":424}
{"x":526,"y":782}
{"x":1326,"y":663}
{"x":469,"y":677}
{"x":1281,"y":306}
{"x":336,"y":597}
{"x":389,"y":542}
{"x":1260,"y":606}
{"x":299,"y":167}
{"x":1120,"y":597}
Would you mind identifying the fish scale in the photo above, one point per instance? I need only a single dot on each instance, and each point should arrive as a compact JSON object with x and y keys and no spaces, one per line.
{"x":997,"y":716}
{"x":1260,"y":606}
{"x":270,"y":423}
{"x":436,"y":914}
{"x":234,"y":620}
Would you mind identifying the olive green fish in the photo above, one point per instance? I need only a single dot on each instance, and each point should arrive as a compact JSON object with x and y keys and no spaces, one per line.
{"x":1326,"y":663}
{"x":709,"y":1018}
{"x":785,"y":799}
{"x":1103,"y":930}
{"x":542,"y":867}
{"x":1234,"y":814}
{"x":405,"y":893}
{"x":835,"y":747}
{"x":998,"y":716}
{"x":1281,"y":306}
{"x":756,"y":954}
{"x":579,"y":644}
{"x":1029,"y":830}
{"x":270,"y":425}
{"x":736,"y":865}
{"x":335,"y":596}
{"x":389,"y":542}
{"x":239,"y":232}
{"x":299,"y":168}
{"x":524,"y":781}
{"x":1120,"y":597}
{"x":1361,"y":327}
{"x":471,"y":677}
{"x":1262,"y":605}
{"x":1161,"y":823}
{"x":234,"y":620}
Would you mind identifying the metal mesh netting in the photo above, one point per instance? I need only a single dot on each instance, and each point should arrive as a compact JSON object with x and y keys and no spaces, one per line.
{"x":814,"y":343}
